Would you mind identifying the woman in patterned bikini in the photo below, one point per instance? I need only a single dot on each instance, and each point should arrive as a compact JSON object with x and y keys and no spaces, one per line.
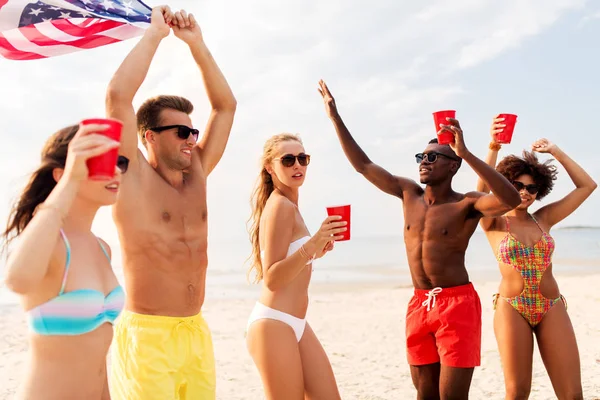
{"x":62,"y":271}
{"x":529,"y":301}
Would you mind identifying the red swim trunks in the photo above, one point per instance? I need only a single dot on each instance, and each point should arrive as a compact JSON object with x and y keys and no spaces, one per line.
{"x":444,"y":325}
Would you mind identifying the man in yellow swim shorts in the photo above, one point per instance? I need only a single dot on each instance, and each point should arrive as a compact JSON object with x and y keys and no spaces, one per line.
{"x":162,"y":348}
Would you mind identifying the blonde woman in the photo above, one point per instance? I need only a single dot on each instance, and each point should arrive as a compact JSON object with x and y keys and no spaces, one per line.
{"x":286,"y":351}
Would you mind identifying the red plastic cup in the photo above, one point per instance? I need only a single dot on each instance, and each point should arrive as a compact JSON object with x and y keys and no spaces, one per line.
{"x":505,"y":136}
{"x":102,"y":167}
{"x":439,"y":117}
{"x":344,"y":212}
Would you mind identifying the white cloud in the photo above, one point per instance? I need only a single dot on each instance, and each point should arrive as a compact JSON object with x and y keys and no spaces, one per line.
{"x":510,"y":26}
{"x":588,"y":18}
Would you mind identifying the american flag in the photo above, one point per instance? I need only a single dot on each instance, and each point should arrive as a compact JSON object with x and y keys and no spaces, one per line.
{"x":39,"y":29}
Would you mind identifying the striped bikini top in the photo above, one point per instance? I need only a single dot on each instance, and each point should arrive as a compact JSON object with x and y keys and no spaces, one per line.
{"x":77,"y":312}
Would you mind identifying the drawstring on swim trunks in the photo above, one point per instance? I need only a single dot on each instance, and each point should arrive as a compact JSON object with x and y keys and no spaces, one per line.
{"x":430,"y":302}
{"x":182,"y":326}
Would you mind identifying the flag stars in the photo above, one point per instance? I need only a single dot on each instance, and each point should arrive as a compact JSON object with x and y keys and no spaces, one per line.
{"x":107,"y":4}
{"x":127,"y":8}
{"x":43,"y":11}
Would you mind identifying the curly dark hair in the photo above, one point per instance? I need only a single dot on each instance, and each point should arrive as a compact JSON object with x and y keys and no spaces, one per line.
{"x":543,"y":174}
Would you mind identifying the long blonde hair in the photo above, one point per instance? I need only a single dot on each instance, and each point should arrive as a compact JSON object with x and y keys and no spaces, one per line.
{"x":262,"y":190}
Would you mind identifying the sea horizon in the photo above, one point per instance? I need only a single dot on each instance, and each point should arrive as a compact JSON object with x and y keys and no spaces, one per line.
{"x":372,"y":260}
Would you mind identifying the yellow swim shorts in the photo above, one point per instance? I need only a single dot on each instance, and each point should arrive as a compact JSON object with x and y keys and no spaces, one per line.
{"x":162,"y":358}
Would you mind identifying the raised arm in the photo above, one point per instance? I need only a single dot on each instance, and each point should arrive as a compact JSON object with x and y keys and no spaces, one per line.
{"x":377,"y":175}
{"x":29,"y":261}
{"x":504,"y":196}
{"x":223,"y":103}
{"x":129,"y":77}
{"x":492,"y":156}
{"x":555,"y":212}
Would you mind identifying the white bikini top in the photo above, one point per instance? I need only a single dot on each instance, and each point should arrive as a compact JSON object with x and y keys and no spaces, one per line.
{"x":294,"y":247}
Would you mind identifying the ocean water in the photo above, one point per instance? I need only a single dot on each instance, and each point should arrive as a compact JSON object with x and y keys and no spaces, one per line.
{"x":372,"y":260}
{"x":383,"y":259}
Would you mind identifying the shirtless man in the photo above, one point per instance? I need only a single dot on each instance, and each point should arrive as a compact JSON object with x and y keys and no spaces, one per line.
{"x":162,"y":346}
{"x":443,"y":322}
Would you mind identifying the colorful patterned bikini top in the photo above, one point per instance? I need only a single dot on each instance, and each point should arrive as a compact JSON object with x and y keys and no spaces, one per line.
{"x":77,"y":312}
{"x":530,"y":261}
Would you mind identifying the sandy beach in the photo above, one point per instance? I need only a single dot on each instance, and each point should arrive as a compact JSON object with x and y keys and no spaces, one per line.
{"x":362,"y":330}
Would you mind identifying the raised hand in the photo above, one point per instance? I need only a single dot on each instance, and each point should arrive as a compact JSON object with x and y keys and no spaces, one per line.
{"x":160,"y":21}
{"x":543,"y":146}
{"x":328,"y":99}
{"x":458,"y":146}
{"x":186,"y":28}
{"x":85,"y":145}
{"x":497,"y":127}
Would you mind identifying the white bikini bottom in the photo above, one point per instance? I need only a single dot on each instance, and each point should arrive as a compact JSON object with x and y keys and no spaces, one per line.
{"x":260,"y":311}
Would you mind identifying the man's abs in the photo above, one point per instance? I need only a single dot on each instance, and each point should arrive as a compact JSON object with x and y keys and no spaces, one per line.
{"x":163,"y":275}
{"x":436,"y":239}
{"x":443,"y":267}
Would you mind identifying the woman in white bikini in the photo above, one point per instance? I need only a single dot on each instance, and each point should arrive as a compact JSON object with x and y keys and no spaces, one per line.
{"x":288,"y":355}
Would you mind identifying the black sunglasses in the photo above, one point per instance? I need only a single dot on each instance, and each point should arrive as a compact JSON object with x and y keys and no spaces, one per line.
{"x":289,"y":160}
{"x":183,"y":132}
{"x":431,"y":157}
{"x":532,"y":189}
{"x":122,"y":164}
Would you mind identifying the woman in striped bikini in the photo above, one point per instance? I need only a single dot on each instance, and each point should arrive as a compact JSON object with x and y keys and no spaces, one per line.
{"x":529,"y":301}
{"x":62,"y":272}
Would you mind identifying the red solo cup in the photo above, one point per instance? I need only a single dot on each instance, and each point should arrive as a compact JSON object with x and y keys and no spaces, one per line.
{"x":439,"y":117}
{"x":505,"y":136}
{"x":344,"y":212}
{"x":102,"y":167}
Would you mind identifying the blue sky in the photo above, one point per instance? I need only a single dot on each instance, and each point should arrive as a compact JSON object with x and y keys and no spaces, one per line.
{"x":389,"y":66}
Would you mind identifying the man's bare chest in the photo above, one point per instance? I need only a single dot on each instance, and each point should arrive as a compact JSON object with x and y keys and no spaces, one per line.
{"x":426,"y":222}
{"x":163,"y":207}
